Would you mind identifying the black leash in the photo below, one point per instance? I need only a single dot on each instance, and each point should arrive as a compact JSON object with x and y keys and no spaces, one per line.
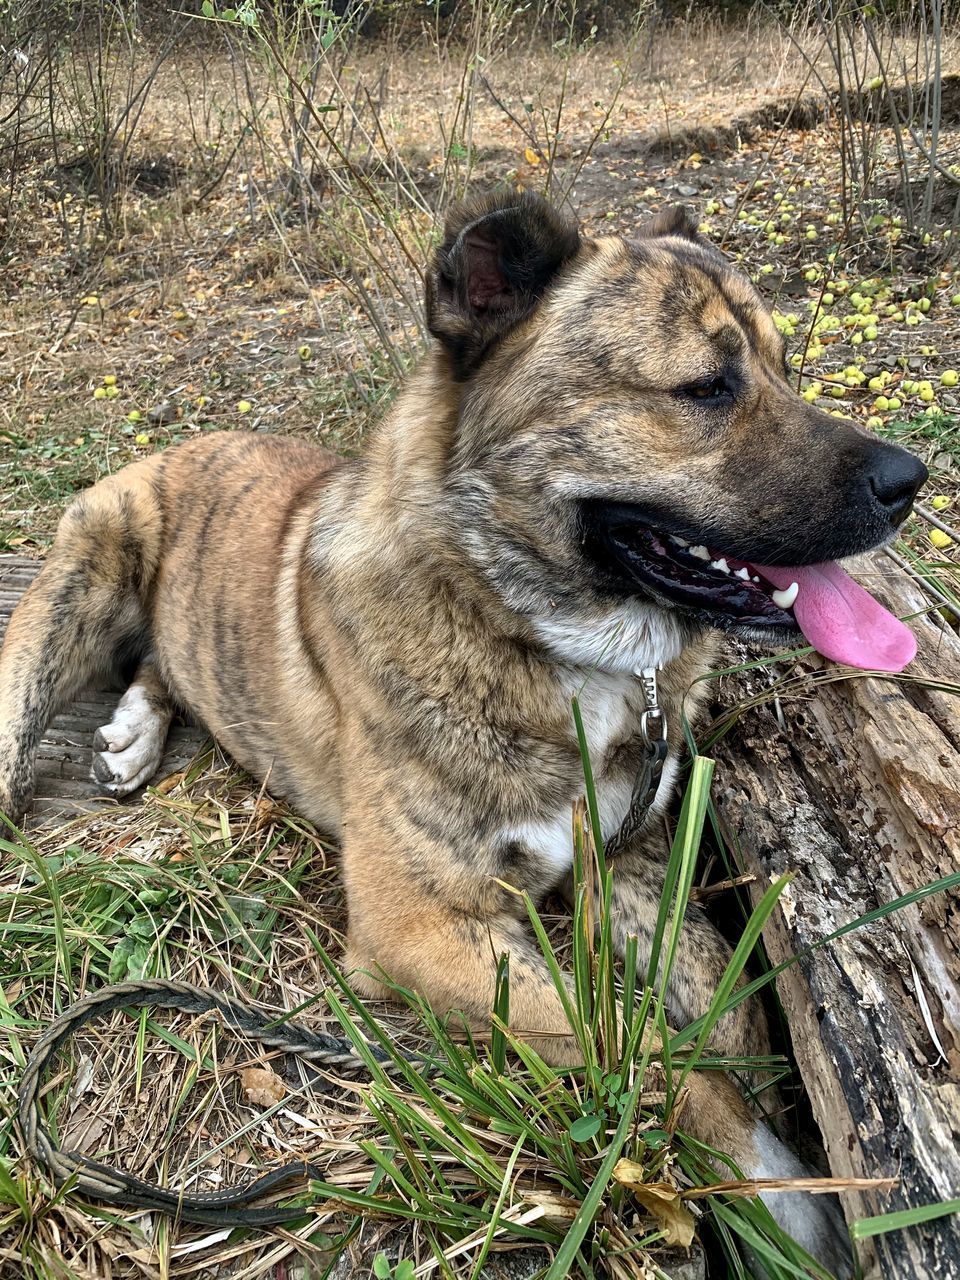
{"x":233,"y":1206}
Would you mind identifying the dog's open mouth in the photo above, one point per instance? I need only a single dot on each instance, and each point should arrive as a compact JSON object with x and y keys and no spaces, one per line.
{"x":704,"y":578}
{"x":835,"y":614}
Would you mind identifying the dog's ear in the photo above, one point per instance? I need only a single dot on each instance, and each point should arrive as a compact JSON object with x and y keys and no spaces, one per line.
{"x":499,"y":254}
{"x":675,"y":220}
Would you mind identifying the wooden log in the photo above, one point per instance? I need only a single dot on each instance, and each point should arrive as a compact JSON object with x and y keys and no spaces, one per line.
{"x":854,"y":784}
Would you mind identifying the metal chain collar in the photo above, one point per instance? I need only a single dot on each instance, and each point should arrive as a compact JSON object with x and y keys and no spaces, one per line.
{"x":653,"y":733}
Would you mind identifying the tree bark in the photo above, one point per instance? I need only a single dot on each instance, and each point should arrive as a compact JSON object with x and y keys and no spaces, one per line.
{"x":855,"y":786}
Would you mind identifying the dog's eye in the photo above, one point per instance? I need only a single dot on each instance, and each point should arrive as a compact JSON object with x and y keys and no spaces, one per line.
{"x":715,"y":389}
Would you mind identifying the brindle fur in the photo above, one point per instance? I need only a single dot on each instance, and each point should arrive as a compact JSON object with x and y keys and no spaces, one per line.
{"x":392,"y":643}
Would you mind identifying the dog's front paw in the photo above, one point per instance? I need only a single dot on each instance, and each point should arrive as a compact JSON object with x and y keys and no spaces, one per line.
{"x":814,"y":1221}
{"x":127,"y":751}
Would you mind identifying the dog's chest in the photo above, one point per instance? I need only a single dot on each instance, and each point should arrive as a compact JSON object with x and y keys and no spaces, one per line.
{"x":610,"y":707}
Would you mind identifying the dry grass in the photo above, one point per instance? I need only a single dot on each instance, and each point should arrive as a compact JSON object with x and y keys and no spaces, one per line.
{"x":213,"y":884}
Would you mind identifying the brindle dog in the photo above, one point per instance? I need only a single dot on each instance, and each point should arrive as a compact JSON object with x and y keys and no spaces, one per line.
{"x":392,"y":643}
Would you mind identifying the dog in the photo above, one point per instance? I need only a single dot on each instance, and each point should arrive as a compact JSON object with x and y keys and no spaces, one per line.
{"x":599,"y":467}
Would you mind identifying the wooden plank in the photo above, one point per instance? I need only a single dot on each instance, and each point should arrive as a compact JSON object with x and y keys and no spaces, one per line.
{"x":64,"y":787}
{"x":855,"y":786}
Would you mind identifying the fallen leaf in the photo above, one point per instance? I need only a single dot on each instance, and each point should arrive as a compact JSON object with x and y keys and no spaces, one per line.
{"x":530,"y":156}
{"x":266,"y":811}
{"x":661,"y":1200}
{"x":555,"y":1208}
{"x":261,"y":1086}
{"x":166,"y":785}
{"x":83,"y":1130}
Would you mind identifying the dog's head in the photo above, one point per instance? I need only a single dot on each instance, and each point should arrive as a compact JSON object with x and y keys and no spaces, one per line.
{"x":631,"y":460}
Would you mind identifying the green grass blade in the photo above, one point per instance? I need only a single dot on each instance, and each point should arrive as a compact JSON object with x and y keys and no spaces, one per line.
{"x":688,"y":836}
{"x":901,"y":1218}
{"x":951,"y":881}
{"x":592,"y":807}
{"x":680,"y":870}
{"x":497,"y":1210}
{"x":12,"y":1190}
{"x":501,"y":1015}
{"x":741,"y":954}
{"x":570,"y":1247}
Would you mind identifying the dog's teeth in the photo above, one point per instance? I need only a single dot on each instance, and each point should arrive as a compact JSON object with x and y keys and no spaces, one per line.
{"x":700,"y":552}
{"x":720,"y":564}
{"x":785,"y":599}
{"x":680,"y":542}
{"x":755,"y":579}
{"x":743,"y":573}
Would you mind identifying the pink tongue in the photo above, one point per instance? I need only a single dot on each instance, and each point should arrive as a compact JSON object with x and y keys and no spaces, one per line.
{"x":841,"y":620}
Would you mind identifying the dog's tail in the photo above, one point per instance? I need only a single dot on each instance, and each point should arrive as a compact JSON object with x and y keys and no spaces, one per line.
{"x":83,"y":612}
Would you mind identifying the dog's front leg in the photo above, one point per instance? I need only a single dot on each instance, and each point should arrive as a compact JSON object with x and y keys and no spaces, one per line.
{"x":404,"y":934}
{"x":702,"y":955}
{"x":424,"y":916}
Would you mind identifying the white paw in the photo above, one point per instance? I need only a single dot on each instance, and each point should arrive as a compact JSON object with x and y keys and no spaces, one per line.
{"x":815,"y":1222}
{"x":127,"y":751}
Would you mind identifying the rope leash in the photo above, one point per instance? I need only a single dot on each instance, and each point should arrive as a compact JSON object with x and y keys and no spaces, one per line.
{"x":230,"y":1207}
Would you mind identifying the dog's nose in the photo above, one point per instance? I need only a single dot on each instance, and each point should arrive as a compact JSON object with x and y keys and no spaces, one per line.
{"x":895,"y":476}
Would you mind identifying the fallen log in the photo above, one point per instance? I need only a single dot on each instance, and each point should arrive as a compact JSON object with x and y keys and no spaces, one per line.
{"x":853,"y":783}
